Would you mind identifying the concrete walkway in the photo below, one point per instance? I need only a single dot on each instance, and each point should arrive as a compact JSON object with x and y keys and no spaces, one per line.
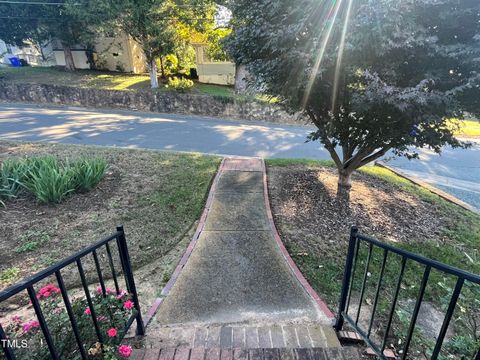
{"x":236,"y":272}
{"x":236,"y":293}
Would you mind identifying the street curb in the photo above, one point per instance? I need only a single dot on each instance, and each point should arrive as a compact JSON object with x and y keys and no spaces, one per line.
{"x":293,"y":267}
{"x":450,"y":198}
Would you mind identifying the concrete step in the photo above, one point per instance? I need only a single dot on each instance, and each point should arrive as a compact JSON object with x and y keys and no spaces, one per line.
{"x":182,"y":353}
{"x":291,"y":336}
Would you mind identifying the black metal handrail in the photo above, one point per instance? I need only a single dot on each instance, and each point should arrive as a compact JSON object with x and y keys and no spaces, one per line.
{"x":429,"y":264}
{"x":28,"y":285}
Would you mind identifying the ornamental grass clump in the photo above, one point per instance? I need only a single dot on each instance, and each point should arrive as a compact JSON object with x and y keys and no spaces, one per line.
{"x":88,"y":173}
{"x":11,"y":174}
{"x":112,"y":311}
{"x":49,"y":179}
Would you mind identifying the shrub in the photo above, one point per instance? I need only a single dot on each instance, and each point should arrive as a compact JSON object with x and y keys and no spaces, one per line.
{"x":180,"y":84}
{"x":112,"y":312}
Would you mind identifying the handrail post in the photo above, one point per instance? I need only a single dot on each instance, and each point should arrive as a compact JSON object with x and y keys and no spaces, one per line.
{"x":346,"y":277}
{"x":127,"y":268}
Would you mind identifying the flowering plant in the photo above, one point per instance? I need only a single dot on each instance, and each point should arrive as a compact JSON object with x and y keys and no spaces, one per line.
{"x":112,"y":311}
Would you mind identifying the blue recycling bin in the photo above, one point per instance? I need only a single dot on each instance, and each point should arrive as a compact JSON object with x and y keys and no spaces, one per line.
{"x":15,"y":61}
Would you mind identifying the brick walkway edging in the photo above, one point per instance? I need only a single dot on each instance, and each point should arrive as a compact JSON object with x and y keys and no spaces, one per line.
{"x":293,"y":267}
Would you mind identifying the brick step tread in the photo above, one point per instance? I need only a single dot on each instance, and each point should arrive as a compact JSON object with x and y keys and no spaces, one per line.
{"x":251,"y":337}
{"x":181,"y":353}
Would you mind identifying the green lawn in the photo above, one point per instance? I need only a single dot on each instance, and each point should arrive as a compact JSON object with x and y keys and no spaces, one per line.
{"x":99,"y":80}
{"x":116,"y":81}
{"x":469,"y":128}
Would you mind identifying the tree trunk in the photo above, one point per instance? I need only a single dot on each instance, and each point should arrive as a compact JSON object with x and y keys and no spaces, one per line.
{"x":67,"y":52}
{"x":241,"y":74}
{"x":162,"y":68}
{"x":344,"y":185}
{"x":153,"y":74}
{"x":90,"y":57}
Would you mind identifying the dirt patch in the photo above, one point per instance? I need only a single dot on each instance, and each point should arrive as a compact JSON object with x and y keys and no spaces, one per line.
{"x":304,"y":205}
{"x":156,"y":196}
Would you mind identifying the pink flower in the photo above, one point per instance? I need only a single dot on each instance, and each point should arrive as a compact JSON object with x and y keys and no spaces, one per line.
{"x":128,"y":305}
{"x":101,"y":318}
{"x":47,"y":290}
{"x":16,"y":319}
{"x":107,"y":290}
{"x":125,"y":350}
{"x":121,"y":294}
{"x":87,"y":311}
{"x":112,"y":332}
{"x":29,"y":325}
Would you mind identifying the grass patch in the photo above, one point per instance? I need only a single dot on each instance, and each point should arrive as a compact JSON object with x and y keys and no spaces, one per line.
{"x":31,"y":241}
{"x":467,"y":128}
{"x":297,"y":162}
{"x":179,"y":196}
{"x":215,"y":90}
{"x":9,"y":275}
{"x":462,"y":235}
{"x":78,"y":78}
{"x":470,"y":128}
{"x":403,"y":184}
{"x":117,"y":81}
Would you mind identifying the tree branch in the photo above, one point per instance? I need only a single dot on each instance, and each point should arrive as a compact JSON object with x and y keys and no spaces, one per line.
{"x":373,"y":156}
{"x":355,"y":160}
{"x":324,"y":139}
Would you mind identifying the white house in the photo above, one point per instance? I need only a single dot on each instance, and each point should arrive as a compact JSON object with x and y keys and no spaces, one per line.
{"x":120,"y":53}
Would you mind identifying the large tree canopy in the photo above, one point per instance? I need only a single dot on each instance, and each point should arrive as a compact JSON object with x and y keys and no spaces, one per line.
{"x":372,"y":75}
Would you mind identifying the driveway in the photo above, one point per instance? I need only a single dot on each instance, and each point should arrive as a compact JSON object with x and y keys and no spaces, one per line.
{"x":455,"y":171}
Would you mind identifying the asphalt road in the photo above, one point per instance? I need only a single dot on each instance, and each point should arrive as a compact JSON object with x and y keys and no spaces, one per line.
{"x":455,"y":171}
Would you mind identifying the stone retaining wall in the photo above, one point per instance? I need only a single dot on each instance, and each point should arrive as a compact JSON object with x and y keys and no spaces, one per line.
{"x":162,"y":102}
